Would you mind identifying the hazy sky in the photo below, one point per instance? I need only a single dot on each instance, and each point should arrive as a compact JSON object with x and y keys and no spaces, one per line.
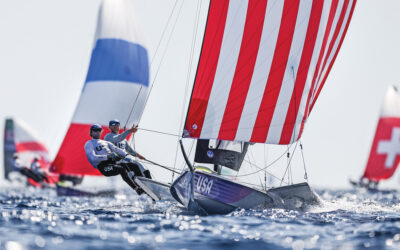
{"x":45,"y":48}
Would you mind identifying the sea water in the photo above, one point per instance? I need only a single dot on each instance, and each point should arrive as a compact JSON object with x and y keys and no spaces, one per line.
{"x":32,"y":218}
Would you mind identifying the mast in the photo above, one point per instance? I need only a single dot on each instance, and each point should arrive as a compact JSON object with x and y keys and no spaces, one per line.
{"x":9,"y":146}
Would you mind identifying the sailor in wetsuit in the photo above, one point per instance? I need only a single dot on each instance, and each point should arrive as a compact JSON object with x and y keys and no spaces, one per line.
{"x":104,"y":156}
{"x":16,"y":163}
{"x":35,"y":167}
{"x":34,"y":172}
{"x":120,"y":141}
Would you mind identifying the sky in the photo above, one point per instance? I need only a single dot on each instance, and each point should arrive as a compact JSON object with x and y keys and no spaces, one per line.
{"x":45,"y":49}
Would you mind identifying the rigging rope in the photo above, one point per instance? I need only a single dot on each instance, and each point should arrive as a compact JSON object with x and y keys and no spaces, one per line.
{"x":252,"y":156}
{"x":162,"y":59}
{"x":272,"y":175}
{"x":162,"y":166}
{"x":304,"y":162}
{"x":289,"y":163}
{"x":265,"y":172}
{"x":184,"y":163}
{"x":189,"y":70}
{"x":151,"y":63}
{"x":159,"y":132}
{"x":267,"y":166}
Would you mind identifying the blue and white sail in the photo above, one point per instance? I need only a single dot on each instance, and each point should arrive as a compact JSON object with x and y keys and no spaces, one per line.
{"x":116,"y":84}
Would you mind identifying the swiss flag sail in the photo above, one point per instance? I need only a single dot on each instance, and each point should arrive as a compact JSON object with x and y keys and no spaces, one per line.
{"x":385,"y":151}
{"x":117,"y":79}
{"x":262,"y":66}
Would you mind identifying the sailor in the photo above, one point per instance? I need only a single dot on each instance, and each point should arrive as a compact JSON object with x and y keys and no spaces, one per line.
{"x":16,"y":163}
{"x":17,"y":166}
{"x":37,"y":170}
{"x":105,"y":157}
{"x":120,"y":141}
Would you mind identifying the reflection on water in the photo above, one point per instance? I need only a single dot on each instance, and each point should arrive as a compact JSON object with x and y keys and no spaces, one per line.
{"x":36,"y":219}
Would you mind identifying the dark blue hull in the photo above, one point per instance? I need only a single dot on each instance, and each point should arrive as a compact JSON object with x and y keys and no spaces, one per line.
{"x":214,"y":194}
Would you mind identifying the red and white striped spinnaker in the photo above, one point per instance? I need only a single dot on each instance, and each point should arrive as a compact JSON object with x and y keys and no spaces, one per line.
{"x":262,"y":66}
{"x":385,"y":151}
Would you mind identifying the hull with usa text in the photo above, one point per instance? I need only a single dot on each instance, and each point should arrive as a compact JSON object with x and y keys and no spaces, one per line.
{"x":213,"y":194}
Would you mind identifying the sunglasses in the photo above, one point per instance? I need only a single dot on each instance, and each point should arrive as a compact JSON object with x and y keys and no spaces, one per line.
{"x":96,"y":130}
{"x":114,"y":124}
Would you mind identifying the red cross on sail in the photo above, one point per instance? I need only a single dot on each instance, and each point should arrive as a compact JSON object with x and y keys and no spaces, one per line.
{"x":262,"y":66}
{"x":385,"y":151}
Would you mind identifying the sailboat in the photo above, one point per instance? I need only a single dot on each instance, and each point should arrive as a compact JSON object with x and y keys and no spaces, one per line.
{"x":20,"y":140}
{"x":117,"y":78}
{"x":262,"y":67}
{"x":384,"y":156}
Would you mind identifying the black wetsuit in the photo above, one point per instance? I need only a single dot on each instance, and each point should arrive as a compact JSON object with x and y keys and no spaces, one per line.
{"x":34,"y":176}
{"x":111,"y":168}
{"x":97,"y":151}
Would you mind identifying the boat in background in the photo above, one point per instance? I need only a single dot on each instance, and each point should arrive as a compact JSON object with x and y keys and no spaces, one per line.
{"x":262,"y":67}
{"x":21,"y":140}
{"x":384,"y":156}
{"x":117,"y":79}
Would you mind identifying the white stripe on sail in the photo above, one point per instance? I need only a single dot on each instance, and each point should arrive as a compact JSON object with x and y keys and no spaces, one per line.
{"x":102,"y":101}
{"x":23,"y":133}
{"x":332,"y":31}
{"x":117,"y":20}
{"x":336,"y":44}
{"x":225,"y":71}
{"x":314,"y":60}
{"x":285,"y":94}
{"x":272,"y":20}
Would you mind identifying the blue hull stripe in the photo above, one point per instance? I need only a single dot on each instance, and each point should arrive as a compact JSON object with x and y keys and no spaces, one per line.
{"x":119,"y":60}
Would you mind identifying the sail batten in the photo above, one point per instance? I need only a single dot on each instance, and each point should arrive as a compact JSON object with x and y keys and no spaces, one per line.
{"x":260,"y":85}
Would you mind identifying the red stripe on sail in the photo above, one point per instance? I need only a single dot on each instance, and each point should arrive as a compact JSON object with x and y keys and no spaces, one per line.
{"x":207,"y":67}
{"x":71,"y":158}
{"x":335,"y":35}
{"x":376,"y":169}
{"x":302,"y":72}
{"x":30,"y":146}
{"x":321,"y":54}
{"x":278,"y":67}
{"x":334,"y":57}
{"x":244,"y":68}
